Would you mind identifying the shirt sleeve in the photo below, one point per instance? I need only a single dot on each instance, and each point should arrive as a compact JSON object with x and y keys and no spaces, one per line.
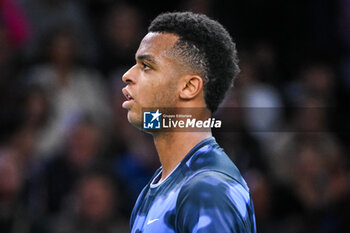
{"x":212,"y":202}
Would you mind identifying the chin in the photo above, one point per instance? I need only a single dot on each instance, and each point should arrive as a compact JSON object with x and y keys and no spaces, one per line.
{"x":135,"y":119}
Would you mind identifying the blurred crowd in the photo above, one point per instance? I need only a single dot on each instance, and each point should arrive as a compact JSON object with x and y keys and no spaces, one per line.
{"x":70,"y":162}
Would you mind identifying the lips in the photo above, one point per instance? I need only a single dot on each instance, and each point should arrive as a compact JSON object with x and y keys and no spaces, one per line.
{"x":127,"y":94}
{"x":129,"y":98}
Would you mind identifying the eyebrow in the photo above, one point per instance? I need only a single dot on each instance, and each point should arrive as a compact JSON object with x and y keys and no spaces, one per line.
{"x":146,"y":57}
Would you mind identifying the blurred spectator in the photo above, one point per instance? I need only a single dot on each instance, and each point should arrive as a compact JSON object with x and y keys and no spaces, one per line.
{"x":276,"y":207}
{"x":15,"y":134}
{"x":61,"y":172}
{"x":266,"y":62}
{"x":37,"y":108}
{"x":308,"y":161}
{"x":45,"y":15}
{"x":261,"y":102}
{"x":316,"y":81}
{"x":14,"y":218}
{"x":309,"y":119}
{"x":72,"y":91}
{"x":15,"y":22}
{"x":96,"y":205}
{"x":320,"y":183}
{"x":23,"y":142}
{"x":122,"y":33}
{"x":318,"y":172}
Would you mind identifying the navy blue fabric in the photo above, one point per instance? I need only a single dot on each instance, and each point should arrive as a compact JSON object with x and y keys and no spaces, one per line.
{"x":205,"y":193}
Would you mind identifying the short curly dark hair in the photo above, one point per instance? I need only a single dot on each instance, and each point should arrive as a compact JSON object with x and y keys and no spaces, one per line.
{"x":206,"y":46}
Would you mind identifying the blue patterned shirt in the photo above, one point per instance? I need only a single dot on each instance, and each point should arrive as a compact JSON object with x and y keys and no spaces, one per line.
{"x":205,"y":193}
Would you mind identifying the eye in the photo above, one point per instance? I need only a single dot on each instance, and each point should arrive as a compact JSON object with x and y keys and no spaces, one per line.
{"x":145,"y":66}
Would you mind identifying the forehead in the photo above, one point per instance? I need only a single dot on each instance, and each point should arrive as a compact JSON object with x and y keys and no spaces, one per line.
{"x":156,"y":44}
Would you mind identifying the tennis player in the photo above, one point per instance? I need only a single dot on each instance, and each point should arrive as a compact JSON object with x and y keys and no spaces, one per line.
{"x":187,"y":60}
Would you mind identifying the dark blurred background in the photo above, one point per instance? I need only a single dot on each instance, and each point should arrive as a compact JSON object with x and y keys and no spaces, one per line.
{"x":70,"y":162}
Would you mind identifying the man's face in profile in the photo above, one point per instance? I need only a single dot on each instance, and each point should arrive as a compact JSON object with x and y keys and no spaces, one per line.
{"x":152,"y":82}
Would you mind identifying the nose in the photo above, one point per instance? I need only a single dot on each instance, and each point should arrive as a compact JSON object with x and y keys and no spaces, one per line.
{"x":129,"y":75}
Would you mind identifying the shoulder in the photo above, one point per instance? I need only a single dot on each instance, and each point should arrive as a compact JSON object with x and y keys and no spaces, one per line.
{"x":211,"y":163}
{"x":213,"y":202}
{"x":213,"y":187}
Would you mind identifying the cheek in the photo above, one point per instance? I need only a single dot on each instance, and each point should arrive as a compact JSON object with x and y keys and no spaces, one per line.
{"x":163,"y":95}
{"x":166,"y":97}
{"x":157,"y":90}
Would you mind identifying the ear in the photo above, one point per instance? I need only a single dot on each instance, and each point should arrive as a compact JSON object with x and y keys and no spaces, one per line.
{"x":190,"y":86}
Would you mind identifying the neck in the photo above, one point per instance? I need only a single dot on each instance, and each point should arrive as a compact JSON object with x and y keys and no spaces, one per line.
{"x":172,"y":147}
{"x":63,"y":70}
